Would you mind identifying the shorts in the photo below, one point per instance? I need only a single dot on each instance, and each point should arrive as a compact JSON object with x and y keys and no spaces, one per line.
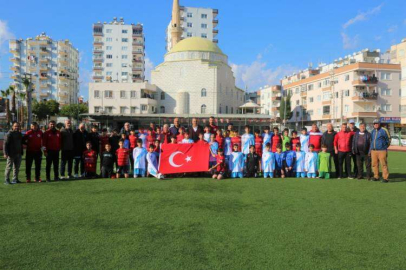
{"x":220,"y":173}
{"x":106,"y":172}
{"x":139,"y":172}
{"x":300,"y":174}
{"x":268,"y":174}
{"x":236,"y":175}
{"x":122,"y":169}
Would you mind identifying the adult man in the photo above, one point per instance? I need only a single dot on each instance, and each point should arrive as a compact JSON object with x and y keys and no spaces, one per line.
{"x":230,"y":128}
{"x":80,"y":137}
{"x":174,"y":130}
{"x":328,"y":140}
{"x":94,"y":138}
{"x":52,"y":146}
{"x":195,"y":130}
{"x":361,"y":144}
{"x":67,"y":149}
{"x":213,"y":127}
{"x":165,"y":135}
{"x":354,"y":130}
{"x":315,"y":138}
{"x":342,"y":146}
{"x":379,"y":151}
{"x":126,"y":129}
{"x":13,"y":151}
{"x":33,"y":140}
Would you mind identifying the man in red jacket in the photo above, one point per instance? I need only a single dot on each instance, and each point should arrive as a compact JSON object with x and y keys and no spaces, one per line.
{"x":315,"y":138}
{"x":52,"y":145}
{"x":33,"y":140}
{"x":342,"y":146}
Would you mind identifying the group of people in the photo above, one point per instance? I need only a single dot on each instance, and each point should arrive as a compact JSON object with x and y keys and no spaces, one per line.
{"x":269,"y":153}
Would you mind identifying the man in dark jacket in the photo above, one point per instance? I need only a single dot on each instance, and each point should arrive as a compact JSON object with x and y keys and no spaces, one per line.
{"x":328,"y":140}
{"x":13,"y":151}
{"x":361,"y":143}
{"x":67,"y":149}
{"x":195,"y":130}
{"x":353,"y":128}
{"x":379,"y":151}
{"x":80,"y":137}
{"x":33,"y":140}
{"x":94,"y":138}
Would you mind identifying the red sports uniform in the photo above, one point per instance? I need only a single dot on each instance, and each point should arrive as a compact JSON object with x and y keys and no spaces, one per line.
{"x":236,"y":140}
{"x":122,"y":155}
{"x":150,"y":140}
{"x":258,"y":145}
{"x":52,"y":140}
{"x":315,"y":139}
{"x":179,"y":138}
{"x":294,"y":141}
{"x":33,"y":140}
{"x":133,"y":141}
{"x":276,"y":139}
{"x":90,"y":159}
{"x":220,"y":141}
{"x":103,"y":141}
{"x":222,"y":167}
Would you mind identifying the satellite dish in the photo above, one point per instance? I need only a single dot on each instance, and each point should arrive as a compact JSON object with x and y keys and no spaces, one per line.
{"x":377,"y":59}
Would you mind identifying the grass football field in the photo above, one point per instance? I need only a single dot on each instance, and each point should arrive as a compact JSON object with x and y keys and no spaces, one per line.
{"x":198,"y":223}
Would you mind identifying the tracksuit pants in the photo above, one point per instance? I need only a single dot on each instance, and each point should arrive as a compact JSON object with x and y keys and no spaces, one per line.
{"x":52,"y":159}
{"x":30,"y":158}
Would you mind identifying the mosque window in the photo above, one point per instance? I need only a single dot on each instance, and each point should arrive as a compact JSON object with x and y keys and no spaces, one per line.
{"x":203,"y":109}
{"x":162,"y":95}
{"x":162,"y":109}
{"x":204,"y":92}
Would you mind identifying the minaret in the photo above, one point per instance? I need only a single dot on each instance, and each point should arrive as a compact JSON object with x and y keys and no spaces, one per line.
{"x":176,"y":31}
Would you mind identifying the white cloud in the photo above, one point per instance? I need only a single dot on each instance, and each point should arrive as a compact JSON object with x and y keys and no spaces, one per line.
{"x":392,"y":28}
{"x":363,"y":16}
{"x":85,"y":77}
{"x":258,"y":74}
{"x":5,"y":33}
{"x":149,"y":66}
{"x":349,"y":42}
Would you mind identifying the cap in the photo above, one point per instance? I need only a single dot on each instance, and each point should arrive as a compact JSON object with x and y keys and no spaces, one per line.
{"x":376,"y":121}
{"x":351,"y":121}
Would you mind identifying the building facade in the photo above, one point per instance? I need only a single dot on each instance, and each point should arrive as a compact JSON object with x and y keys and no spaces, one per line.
{"x":193,"y":22}
{"x":270,"y":100}
{"x":398,"y":56}
{"x":118,"y":52}
{"x":360,"y":90}
{"x":53,"y":67}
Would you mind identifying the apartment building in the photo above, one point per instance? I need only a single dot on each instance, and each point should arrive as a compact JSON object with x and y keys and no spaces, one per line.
{"x":122,"y":98}
{"x":118,"y":52}
{"x":194,"y":22}
{"x":398,"y":56}
{"x":269,"y":98}
{"x":358,"y":87}
{"x":53,"y":67}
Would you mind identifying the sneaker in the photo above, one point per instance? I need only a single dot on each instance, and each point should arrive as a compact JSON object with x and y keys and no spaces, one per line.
{"x":7,"y":182}
{"x":350,"y":177}
{"x":48,"y":181}
{"x":385,"y":181}
{"x":28,"y":181}
{"x":39,"y":180}
{"x":376,"y":180}
{"x":62,"y":177}
{"x":76,"y":176}
{"x":14,"y":182}
{"x":338,"y":177}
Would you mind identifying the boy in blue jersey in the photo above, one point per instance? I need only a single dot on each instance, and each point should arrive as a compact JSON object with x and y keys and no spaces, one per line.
{"x":152,"y":159}
{"x":214,"y":147}
{"x":267,"y":138}
{"x":279,"y":162}
{"x":139,"y":154}
{"x":236,"y":163}
{"x":300,"y":162}
{"x":289,"y":159}
{"x":311,"y":162}
{"x":304,"y":140}
{"x":207,"y":134}
{"x":247,"y":140}
{"x":228,"y":147}
{"x":268,"y":161}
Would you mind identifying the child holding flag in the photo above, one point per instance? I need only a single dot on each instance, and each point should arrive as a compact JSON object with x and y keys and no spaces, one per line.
{"x":221,"y":166}
{"x":152,"y":159}
{"x":214,"y":147}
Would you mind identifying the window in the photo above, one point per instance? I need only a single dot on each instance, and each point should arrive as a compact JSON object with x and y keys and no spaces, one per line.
{"x":297,"y":90}
{"x":402,"y":108}
{"x":310,"y":112}
{"x":124,"y":48}
{"x":310,"y":87}
{"x":326,"y":96}
{"x":122,"y":94}
{"x":226,"y":109}
{"x":386,"y":108}
{"x":109,"y":31}
{"x":108,"y":109}
{"x":204,"y":35}
{"x":108,"y":94}
{"x":204,"y":25}
{"x":204,"y":16}
{"x":124,"y":73}
{"x":109,"y":48}
{"x":220,"y":108}
{"x":326,"y":110}
{"x":346,"y":108}
{"x":109,"y":56}
{"x":109,"y":73}
{"x":133,"y":94}
{"x":189,"y":15}
{"x":96,"y":94}
{"x":109,"y":64}
{"x":97,"y":109}
{"x":311,"y":100}
{"x":124,"y":64}
{"x":318,"y":98}
{"x":347,"y":93}
{"x":133,"y":110}
{"x":232,"y":110}
{"x":297,"y":102}
{"x":124,"y":40}
{"x":122,"y":110}
{"x":347,"y":77}
{"x":143,"y":108}
{"x":386,"y":92}
{"x":124,"y":31}
{"x":162,"y":95}
{"x":385,"y":76}
{"x":109,"y":39}
{"x":403,"y":91}
{"x":203,"y":109}
{"x":124,"y":57}
{"x":162,"y":109}
{"x":336,"y":94}
{"x":189,"y":24}
{"x":189,"y":34}
{"x":204,"y":92}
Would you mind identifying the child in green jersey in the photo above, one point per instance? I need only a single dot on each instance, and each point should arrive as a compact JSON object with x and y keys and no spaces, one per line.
{"x":324,"y":163}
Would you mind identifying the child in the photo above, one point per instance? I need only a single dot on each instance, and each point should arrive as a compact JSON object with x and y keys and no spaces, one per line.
{"x":142,"y":136}
{"x":228,"y":149}
{"x":324,"y":163}
{"x":221,"y":167}
{"x":207,"y":133}
{"x":104,"y":139}
{"x":276,"y":139}
{"x":133,"y":143}
{"x":300,"y":162}
{"x":151,"y":137}
{"x":294,"y":140}
{"x":267,"y":138}
{"x":236,"y":163}
{"x":258,"y":142}
{"x":139,"y":154}
{"x":220,"y":139}
{"x":252,"y":163}
{"x":181,"y":135}
{"x":187,"y":139}
{"x":285,"y":139}
{"x":268,"y":161}
{"x":152,"y":158}
{"x":126,"y":141}
{"x":214,"y":147}
{"x":236,"y":140}
{"x":247,"y":140}
{"x":107,"y":160}
{"x":201,"y":139}
{"x":311,"y":162}
{"x":157,"y":146}
{"x":304,"y":140}
{"x":279,"y":162}
{"x":289,"y":159}
{"x":173,"y":140}
{"x":123,"y":156}
{"x":90,"y":160}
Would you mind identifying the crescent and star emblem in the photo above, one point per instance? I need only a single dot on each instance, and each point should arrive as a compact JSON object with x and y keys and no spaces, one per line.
{"x":173,"y":155}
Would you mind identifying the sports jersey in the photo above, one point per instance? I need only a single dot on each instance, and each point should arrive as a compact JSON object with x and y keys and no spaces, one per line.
{"x":180,"y":137}
{"x":143,"y":138}
{"x":285,"y":139}
{"x":187,"y":141}
{"x":315,"y":139}
{"x":103,"y":141}
{"x":150,"y":140}
{"x":258,"y":145}
{"x":236,"y":162}
{"x":139,"y":155}
{"x":289,"y":158}
{"x":276,"y":139}
{"x":206,"y":137}
{"x":220,"y":141}
{"x":228,"y":148}
{"x":236,"y":140}
{"x":294,"y":141}
{"x":152,"y":159}
{"x":108,"y":159}
{"x":311,"y":162}
{"x":278,"y":161}
{"x":268,"y":162}
{"x":133,"y":141}
{"x":214,"y":147}
{"x":252,"y":162}
{"x":304,"y":142}
{"x":222,"y":161}
{"x":122,"y":156}
{"x":90,"y":160}
{"x":300,"y":161}
{"x":267,"y":138}
{"x":246,"y":141}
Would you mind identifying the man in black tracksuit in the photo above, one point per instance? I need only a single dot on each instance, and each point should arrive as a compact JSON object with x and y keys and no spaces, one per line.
{"x":108,"y":158}
{"x":80,"y":137}
{"x":67,"y":149}
{"x":328,"y":140}
{"x":361,"y":143}
{"x":252,"y":162}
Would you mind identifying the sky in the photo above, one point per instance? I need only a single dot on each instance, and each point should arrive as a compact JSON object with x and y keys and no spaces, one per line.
{"x":264,"y":39}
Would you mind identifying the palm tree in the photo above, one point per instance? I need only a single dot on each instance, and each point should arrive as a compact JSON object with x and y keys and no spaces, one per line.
{"x":28,"y":90}
{"x":21,"y":96}
{"x":12,"y":90}
{"x":5,"y":94}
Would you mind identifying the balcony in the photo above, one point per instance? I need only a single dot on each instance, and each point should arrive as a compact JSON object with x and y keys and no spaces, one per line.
{"x":64,"y":86}
{"x":326,"y":116}
{"x":98,"y":43}
{"x":326,"y":89}
{"x":365,"y":114}
{"x":44,"y":60}
{"x":303,"y":93}
{"x":137,"y":69}
{"x":138,"y":60}
{"x":63,"y":53}
{"x":137,"y":34}
{"x":215,"y":22}
{"x":14,"y":50}
{"x":97,"y":77}
{"x":148,"y":101}
{"x":15,"y":68}
{"x":98,"y":51}
{"x":43,"y":78}
{"x":138,"y":52}
{"x":98,"y":59}
{"x":138,"y":43}
{"x":97,"y":68}
{"x":44,"y":94}
{"x":15,"y":76}
{"x":215,"y":12}
{"x":44,"y":52}
{"x":365,"y":80}
{"x":327,"y":102}
{"x":44,"y":85}
{"x":365,"y":97}
{"x":63,"y":94}
{"x":215,"y":41}
{"x":98,"y":32}
{"x":274,"y":98}
{"x":15,"y":59}
{"x":215,"y":31}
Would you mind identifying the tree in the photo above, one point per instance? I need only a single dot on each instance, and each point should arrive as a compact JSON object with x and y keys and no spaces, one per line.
{"x":74,"y":111}
{"x":44,"y":108}
{"x":285,"y":110}
{"x":5,"y":94}
{"x":28,"y":98}
{"x":13,"y":92}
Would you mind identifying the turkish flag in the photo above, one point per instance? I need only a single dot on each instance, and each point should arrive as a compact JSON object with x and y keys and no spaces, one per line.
{"x":183,"y":158}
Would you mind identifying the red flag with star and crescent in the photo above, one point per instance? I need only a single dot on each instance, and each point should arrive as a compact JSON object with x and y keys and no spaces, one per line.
{"x":184,"y":158}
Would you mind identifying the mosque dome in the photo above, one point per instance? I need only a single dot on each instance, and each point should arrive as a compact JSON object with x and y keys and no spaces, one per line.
{"x":196,"y":44}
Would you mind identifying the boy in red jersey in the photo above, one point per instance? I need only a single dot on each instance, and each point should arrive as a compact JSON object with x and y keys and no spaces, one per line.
{"x":151,"y":138}
{"x":220,"y":139}
{"x":123,"y":156}
{"x":220,"y":168}
{"x":294,"y":140}
{"x":133,"y":143}
{"x":181,"y":134}
{"x":90,"y":160}
{"x":258,"y":142}
{"x":276,"y":139}
{"x":236,"y":140}
{"x":104,"y":139}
